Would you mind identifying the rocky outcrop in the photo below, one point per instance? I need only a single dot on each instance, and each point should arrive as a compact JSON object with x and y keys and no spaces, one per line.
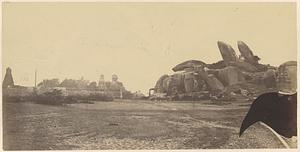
{"x":195,"y":79}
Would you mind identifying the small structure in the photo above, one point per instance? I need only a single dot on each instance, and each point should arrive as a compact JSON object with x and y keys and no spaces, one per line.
{"x":101,"y":83}
{"x":8,"y":81}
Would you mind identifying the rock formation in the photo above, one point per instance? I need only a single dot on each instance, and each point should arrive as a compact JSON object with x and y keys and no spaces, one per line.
{"x":232,"y":76}
{"x":214,"y":84}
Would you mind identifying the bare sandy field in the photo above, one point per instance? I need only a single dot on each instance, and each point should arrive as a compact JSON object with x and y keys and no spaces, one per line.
{"x":131,"y":125}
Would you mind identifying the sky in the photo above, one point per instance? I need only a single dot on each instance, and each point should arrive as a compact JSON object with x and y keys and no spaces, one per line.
{"x":137,"y":41}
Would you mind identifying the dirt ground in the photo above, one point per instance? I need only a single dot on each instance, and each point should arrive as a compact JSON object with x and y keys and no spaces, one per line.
{"x":131,"y":125}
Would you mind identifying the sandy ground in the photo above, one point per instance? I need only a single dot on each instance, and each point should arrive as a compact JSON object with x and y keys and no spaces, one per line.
{"x":131,"y":125}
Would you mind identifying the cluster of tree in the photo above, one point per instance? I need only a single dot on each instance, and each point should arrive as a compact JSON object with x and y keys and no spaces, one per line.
{"x":68,"y":83}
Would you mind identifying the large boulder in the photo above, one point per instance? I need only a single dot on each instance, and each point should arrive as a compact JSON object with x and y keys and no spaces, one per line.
{"x":218,"y":65}
{"x":160,"y":86}
{"x":227,"y":52}
{"x":209,"y":79}
{"x":166,"y":85}
{"x":230,"y":76}
{"x":269,"y":78}
{"x":176,"y":84}
{"x":193,"y":82}
{"x":188,"y":64}
{"x":244,"y":66}
{"x":171,"y":85}
{"x":256,"y":78}
{"x":214,"y":84}
{"x":287,"y":77}
{"x":247,"y":53}
{"x":189,"y":82}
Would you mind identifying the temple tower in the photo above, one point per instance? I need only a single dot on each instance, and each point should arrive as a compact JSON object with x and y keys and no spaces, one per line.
{"x":8,"y":79}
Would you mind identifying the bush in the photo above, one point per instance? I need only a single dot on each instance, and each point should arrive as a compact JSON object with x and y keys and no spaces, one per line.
{"x":92,"y":97}
{"x":56,"y":97}
{"x":6,"y":98}
{"x":53,"y":97}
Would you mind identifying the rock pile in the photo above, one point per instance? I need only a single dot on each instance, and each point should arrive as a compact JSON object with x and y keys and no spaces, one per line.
{"x":232,"y":77}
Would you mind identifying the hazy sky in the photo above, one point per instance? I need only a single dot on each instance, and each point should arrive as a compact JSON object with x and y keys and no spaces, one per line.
{"x":137,"y":41}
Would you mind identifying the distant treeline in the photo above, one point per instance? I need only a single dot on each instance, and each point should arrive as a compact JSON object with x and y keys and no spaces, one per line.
{"x":56,"y":97}
{"x":68,"y":83}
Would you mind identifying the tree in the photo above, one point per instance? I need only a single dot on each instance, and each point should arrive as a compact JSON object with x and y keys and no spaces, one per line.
{"x":92,"y":85}
{"x":81,"y":83}
{"x":69,"y":83}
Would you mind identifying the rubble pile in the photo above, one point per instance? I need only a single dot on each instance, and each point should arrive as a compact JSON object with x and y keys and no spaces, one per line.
{"x":233,"y":78}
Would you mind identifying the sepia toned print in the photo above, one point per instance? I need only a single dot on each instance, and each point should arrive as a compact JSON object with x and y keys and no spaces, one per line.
{"x":156,"y":76}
